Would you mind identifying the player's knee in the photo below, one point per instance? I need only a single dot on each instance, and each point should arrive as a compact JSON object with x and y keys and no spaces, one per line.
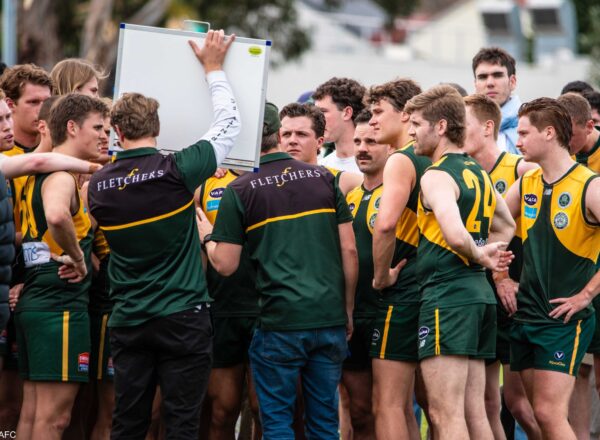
{"x":546,"y":415}
{"x":9,"y":414}
{"x":54,"y":421}
{"x":104,"y":418}
{"x":361,"y":416}
{"x":492,"y":404}
{"x":435,"y":416}
{"x":224,"y":414}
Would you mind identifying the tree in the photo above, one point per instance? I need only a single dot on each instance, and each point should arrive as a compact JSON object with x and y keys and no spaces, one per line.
{"x":50,"y":31}
{"x":591,"y":41}
{"x":395,"y":8}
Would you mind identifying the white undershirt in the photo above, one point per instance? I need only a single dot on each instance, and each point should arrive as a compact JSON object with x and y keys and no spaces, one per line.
{"x":226,"y":125}
{"x":338,"y":163}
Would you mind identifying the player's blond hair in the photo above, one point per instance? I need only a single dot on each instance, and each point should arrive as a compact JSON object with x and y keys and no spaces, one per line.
{"x":442,"y":103}
{"x":71,"y":74}
{"x":485,"y":109}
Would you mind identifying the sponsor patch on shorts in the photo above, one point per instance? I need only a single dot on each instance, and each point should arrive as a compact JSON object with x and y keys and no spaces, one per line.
{"x":110,"y":369}
{"x":83,"y":362}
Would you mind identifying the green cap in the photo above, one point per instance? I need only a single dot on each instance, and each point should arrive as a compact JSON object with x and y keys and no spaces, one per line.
{"x":271,"y":122}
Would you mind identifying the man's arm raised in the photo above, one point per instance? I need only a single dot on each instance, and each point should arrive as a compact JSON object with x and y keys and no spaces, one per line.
{"x":195,"y":162}
{"x":58,"y":196}
{"x":226,"y":125}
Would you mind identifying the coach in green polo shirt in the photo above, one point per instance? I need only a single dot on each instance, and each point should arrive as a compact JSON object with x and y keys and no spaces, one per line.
{"x":299,"y":234}
{"x":161,"y":331}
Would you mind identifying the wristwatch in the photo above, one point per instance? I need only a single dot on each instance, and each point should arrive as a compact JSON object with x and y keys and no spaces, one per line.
{"x":207,"y":238}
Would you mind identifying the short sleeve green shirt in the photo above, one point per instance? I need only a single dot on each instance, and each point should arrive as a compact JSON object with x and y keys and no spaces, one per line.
{"x":288,"y":214}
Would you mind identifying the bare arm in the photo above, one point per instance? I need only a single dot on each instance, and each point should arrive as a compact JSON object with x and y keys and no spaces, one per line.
{"x":513,"y":199}
{"x":503,"y":229}
{"x":25,"y":164}
{"x":523,"y":167}
{"x":578,"y":302}
{"x":224,"y":257}
{"x":350,"y":267}
{"x":349,"y":181}
{"x":503,"y":226}
{"x":440,"y":194}
{"x":399,"y":177}
{"x":59,"y":197}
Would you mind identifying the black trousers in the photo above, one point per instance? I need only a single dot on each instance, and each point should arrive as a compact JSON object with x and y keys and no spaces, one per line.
{"x":174,"y":352}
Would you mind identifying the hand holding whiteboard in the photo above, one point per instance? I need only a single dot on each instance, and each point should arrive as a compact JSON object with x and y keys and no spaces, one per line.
{"x":159,"y":63}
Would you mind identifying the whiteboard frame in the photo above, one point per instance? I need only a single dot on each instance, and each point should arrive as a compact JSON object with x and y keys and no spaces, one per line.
{"x":229,"y":162}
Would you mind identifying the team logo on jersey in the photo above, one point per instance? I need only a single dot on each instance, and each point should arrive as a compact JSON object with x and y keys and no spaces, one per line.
{"x":501,"y":186}
{"x":561,"y":220}
{"x":217,"y":193}
{"x":366,"y":197}
{"x":530,"y":199}
{"x":351,"y":207}
{"x":372,"y":220}
{"x":564,"y":200}
{"x":423,"y":332}
{"x":377,"y":200}
{"x":83,"y":362}
{"x":376,"y":335}
{"x":559,"y":355}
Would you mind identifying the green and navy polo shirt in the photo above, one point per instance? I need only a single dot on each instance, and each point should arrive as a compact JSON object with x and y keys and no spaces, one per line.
{"x":288,"y":214}
{"x":144,"y":203}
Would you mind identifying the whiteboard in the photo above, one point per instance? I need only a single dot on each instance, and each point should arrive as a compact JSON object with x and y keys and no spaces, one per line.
{"x":159,"y":63}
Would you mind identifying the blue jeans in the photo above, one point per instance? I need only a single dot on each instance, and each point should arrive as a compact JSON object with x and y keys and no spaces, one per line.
{"x":278,"y":359}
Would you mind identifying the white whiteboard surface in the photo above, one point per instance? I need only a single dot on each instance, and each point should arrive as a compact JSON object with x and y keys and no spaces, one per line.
{"x":159,"y":63}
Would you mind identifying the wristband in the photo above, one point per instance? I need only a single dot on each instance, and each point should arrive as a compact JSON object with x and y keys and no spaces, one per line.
{"x":207,"y":238}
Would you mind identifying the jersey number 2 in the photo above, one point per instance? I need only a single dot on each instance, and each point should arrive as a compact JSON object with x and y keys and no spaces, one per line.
{"x":473,"y":224}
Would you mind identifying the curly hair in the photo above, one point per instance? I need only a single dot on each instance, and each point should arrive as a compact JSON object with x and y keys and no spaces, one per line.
{"x":14,"y":79}
{"x":344,"y":92}
{"x":397,"y":92}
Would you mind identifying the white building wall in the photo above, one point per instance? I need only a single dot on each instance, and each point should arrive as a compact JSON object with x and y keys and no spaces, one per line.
{"x":452,"y":37}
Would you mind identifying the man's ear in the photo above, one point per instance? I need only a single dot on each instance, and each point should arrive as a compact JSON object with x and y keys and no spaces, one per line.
{"x":119,"y":133}
{"x":512,"y":82}
{"x":11,"y":104}
{"x":72,"y":127}
{"x":347,"y":113}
